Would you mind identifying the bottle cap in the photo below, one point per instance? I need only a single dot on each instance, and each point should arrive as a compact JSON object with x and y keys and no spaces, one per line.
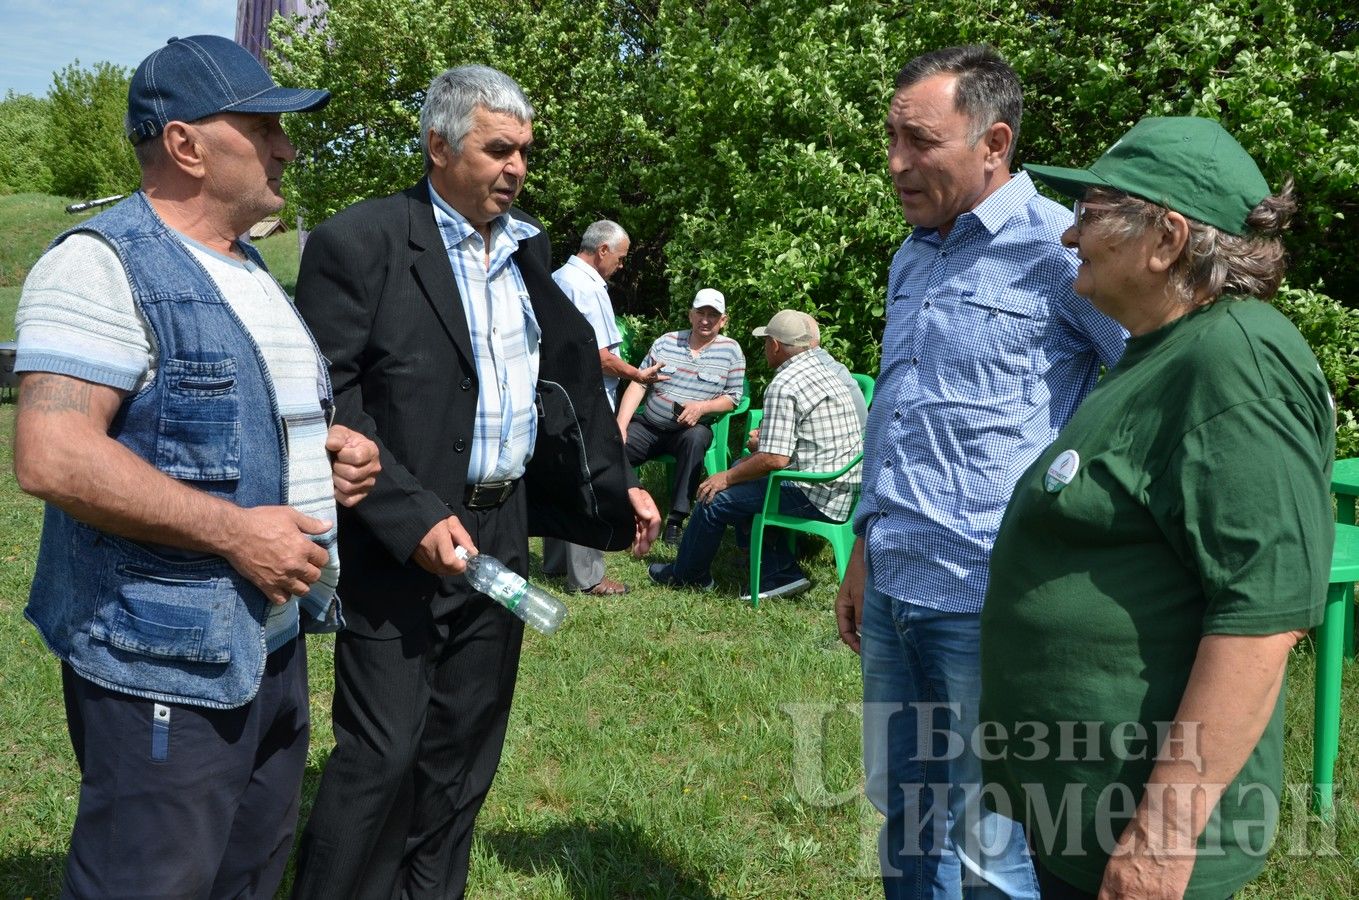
{"x":460,"y":553}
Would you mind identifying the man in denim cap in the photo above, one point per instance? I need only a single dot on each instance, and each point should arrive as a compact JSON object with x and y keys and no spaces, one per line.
{"x":173,"y":413}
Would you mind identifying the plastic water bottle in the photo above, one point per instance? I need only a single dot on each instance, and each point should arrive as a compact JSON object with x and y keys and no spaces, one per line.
{"x":527,"y":601}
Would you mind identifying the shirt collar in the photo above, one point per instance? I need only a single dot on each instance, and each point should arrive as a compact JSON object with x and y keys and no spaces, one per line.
{"x":798,"y":359}
{"x":457,"y":229}
{"x":993,"y":212}
{"x":590,"y":271}
{"x":1009,"y":199}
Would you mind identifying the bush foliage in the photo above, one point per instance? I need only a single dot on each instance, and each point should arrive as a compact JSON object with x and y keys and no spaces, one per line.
{"x":87,"y":148}
{"x":23,"y":130}
{"x":740,"y":141}
{"x":70,"y":142}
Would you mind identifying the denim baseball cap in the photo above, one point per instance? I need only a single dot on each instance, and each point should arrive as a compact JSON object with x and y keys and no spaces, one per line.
{"x":195,"y":77}
{"x":1184,"y":163}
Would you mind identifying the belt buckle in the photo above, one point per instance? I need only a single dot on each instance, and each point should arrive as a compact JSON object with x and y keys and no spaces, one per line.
{"x":488,"y":494}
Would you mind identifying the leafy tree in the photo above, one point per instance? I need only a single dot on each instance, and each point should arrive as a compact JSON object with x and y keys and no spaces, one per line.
{"x":23,"y":128}
{"x":86,"y":148}
{"x":378,"y":57}
{"x":740,"y":141}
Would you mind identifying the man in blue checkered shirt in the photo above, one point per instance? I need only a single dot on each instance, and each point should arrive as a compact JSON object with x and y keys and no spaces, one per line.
{"x":986,"y":354}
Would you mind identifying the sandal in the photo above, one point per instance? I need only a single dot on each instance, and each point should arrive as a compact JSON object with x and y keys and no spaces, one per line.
{"x":606,"y":588}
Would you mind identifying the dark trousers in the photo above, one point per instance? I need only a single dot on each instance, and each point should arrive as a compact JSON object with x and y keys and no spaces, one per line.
{"x":184,"y":801}
{"x":419,"y":723}
{"x":687,"y":445}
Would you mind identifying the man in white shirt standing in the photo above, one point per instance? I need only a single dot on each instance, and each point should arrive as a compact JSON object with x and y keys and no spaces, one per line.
{"x":584,"y":279}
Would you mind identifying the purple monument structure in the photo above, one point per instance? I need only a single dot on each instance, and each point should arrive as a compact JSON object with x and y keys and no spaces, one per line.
{"x":253,"y":18}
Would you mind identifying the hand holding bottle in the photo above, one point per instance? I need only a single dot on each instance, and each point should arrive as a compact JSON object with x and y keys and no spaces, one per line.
{"x":529,"y":602}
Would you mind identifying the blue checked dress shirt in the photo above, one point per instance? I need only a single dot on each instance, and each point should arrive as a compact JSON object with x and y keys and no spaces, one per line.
{"x":505,"y":339}
{"x":986,"y":354}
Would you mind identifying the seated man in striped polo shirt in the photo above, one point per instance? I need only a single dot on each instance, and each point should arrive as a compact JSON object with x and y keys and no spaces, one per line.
{"x":706,"y":377}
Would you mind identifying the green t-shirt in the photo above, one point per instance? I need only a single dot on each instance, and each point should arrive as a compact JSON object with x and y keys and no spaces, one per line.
{"x":1200,"y":505}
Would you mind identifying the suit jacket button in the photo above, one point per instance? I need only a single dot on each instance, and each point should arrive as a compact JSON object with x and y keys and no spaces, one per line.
{"x":459,"y":445}
{"x":467,"y":384}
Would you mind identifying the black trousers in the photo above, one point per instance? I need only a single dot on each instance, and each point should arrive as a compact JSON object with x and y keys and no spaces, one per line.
{"x":687,"y":445}
{"x":419,"y":724}
{"x":185,"y":801}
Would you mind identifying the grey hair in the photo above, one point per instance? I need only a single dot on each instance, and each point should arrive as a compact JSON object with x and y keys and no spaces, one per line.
{"x":988,"y":90}
{"x":453,"y":97}
{"x":1213,"y":261}
{"x":600,"y":233}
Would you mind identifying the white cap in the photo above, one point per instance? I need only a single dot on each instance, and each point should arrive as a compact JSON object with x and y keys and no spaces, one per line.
{"x":711,"y":297}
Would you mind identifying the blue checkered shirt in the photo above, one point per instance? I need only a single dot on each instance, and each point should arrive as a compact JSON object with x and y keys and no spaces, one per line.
{"x":986,"y":354}
{"x":505,"y":339}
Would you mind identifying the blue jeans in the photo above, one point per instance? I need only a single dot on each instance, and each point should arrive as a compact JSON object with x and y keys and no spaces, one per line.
{"x":922,"y":685}
{"x":737,"y":505}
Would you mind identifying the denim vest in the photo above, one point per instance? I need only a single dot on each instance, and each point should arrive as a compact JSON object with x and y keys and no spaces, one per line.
{"x":144,"y":619}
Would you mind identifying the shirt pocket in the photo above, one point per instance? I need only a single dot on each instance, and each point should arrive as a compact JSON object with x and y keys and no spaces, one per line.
{"x":199,"y":436}
{"x":993,"y":339}
{"x":164,"y":610}
{"x":712,"y":380}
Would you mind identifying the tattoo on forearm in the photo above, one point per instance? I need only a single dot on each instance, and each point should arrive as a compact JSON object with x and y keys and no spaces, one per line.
{"x":54,"y":393}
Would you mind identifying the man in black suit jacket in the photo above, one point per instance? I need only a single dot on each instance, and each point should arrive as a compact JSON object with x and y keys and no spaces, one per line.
{"x":434,"y":328}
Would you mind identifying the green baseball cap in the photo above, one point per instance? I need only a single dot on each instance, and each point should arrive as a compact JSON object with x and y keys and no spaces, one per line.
{"x":1187,"y":164}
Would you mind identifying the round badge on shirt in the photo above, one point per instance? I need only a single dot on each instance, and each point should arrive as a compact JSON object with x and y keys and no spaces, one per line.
{"x":1062,"y":470}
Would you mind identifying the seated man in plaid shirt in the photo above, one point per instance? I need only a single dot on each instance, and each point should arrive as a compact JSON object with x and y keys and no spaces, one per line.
{"x":812,"y":423}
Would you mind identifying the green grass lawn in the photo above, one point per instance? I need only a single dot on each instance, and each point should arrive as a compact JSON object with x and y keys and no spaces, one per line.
{"x":662,"y":744}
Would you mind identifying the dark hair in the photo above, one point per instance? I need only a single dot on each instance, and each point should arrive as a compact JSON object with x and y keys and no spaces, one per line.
{"x":988,"y":89}
{"x":1213,"y":262}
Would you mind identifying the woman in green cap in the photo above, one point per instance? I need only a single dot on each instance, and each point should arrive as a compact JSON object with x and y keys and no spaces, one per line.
{"x":1160,"y":559}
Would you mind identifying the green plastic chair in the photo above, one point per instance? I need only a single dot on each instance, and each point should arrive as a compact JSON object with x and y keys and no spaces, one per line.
{"x":626,"y":345}
{"x":1335,"y":636}
{"x":1345,"y":486}
{"x":1330,"y":659}
{"x":839,"y":534}
{"x":866,"y":383}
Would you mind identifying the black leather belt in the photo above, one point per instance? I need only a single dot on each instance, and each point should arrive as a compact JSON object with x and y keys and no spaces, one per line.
{"x":487,"y":494}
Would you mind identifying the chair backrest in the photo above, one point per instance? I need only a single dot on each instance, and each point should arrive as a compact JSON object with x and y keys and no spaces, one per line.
{"x":866,"y":383}
{"x":625,"y":347}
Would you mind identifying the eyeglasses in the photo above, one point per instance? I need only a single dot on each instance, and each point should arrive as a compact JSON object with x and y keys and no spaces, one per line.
{"x":1081,"y":209}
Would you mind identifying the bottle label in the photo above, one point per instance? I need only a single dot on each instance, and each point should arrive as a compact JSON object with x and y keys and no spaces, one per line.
{"x":508,"y":589}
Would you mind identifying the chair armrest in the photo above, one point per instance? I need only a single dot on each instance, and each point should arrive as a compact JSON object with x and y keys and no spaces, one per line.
{"x":771,"y":493}
{"x":795,"y":475}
